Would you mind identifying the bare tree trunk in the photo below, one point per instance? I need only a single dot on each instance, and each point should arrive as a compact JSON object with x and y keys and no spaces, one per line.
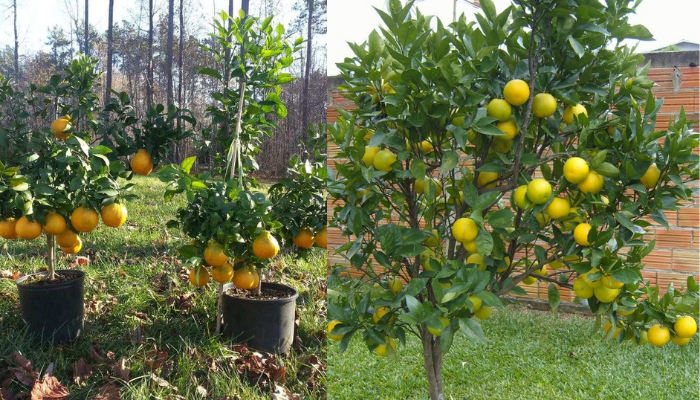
{"x":432,"y":362}
{"x":14,"y":7}
{"x":169,"y":52}
{"x":109,"y":53}
{"x":305,"y":93}
{"x":180,"y":76}
{"x":86,"y":32}
{"x":149,"y":77}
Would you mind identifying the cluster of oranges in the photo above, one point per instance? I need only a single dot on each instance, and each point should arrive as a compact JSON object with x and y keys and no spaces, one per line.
{"x":82,"y":220}
{"x":306,"y":238}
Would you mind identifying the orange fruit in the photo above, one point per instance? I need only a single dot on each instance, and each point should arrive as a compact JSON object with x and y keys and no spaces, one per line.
{"x":651,"y":176}
{"x":658,"y":335}
{"x":465,"y":230}
{"x":304,"y":239}
{"x":55,"y":223}
{"x":544,"y":105}
{"x":67,"y":238}
{"x":685,"y":326}
{"x":539,"y":191}
{"x":381,"y":349}
{"x":380,"y":312}
{"x":84,"y":219}
{"x":114,"y":215}
{"x":7,"y":229}
{"x":368,"y":157}
{"x":508,"y":127}
{"x":199,"y":276}
{"x":142,"y":163}
{"x":486,"y":177}
{"x":516,"y":92}
{"x":321,"y":238}
{"x":581,"y":234}
{"x":575,"y":170}
{"x":27,"y":229}
{"x":331,"y":326}
{"x":384,"y":160}
{"x":499,"y":109}
{"x":74,"y":249}
{"x":60,"y":126}
{"x":265,"y":245}
{"x":570,"y":112}
{"x":558,"y":208}
{"x":593,"y":183}
{"x":246,"y":278}
{"x":223,"y":273}
{"x":214,"y":254}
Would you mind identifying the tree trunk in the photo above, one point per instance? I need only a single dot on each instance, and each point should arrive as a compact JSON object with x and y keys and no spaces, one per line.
{"x":86,"y":32}
{"x":169,"y":52}
{"x":108,"y":89}
{"x":180,"y":75}
{"x":432,"y":362}
{"x":14,"y":7}
{"x":149,"y":68}
{"x":307,"y":70}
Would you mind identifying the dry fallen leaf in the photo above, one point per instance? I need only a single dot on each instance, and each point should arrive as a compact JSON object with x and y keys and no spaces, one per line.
{"x":121,"y":369}
{"x":282,"y":393}
{"x":108,"y":392}
{"x":49,"y":388}
{"x":81,"y":372}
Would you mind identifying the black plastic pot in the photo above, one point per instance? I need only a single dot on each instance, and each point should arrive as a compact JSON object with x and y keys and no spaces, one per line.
{"x":53,"y":312}
{"x":266,"y":325}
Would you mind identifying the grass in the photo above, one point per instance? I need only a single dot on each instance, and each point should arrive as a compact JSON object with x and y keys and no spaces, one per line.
{"x":122,"y":295}
{"x":529,"y":355}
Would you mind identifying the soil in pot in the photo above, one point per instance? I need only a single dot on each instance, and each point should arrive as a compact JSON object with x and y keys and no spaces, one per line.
{"x":53,"y":310}
{"x":266,"y":324}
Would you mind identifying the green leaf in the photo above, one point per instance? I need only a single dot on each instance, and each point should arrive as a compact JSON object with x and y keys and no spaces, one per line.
{"x":418,"y":169}
{"x":472,"y":330}
{"x":489,"y":299}
{"x":626,"y":276}
{"x":578,"y":47}
{"x":187,"y":163}
{"x":210,"y":72}
{"x":484,"y":242}
{"x":553,"y":296}
{"x":450,"y":159}
{"x":627,"y":223}
{"x":607,"y":169}
{"x":501,"y":218}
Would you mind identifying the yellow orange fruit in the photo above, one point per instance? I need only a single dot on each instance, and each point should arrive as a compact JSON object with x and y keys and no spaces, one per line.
{"x":604,"y":294}
{"x":435,"y":332}
{"x":593,"y":183}
{"x":27,"y":229}
{"x":55,"y":223}
{"x":499,"y":109}
{"x":60,"y":126}
{"x":304,"y":239}
{"x":74,"y":249}
{"x":223,"y":273}
{"x":384,"y":160}
{"x":265,"y":245}
{"x":465,"y":230}
{"x":7,"y":229}
{"x":539,"y":191}
{"x":651,"y":176}
{"x":331,"y":326}
{"x":477,"y":259}
{"x":558,"y":208}
{"x":570,"y":112}
{"x":368,"y":157}
{"x":484,"y":312}
{"x":246,"y":278}
{"x":199,"y":276}
{"x":487,"y":179}
{"x":685,"y":326}
{"x":680,"y":341}
{"x":321,"y":238}
{"x":84,"y":219}
{"x":395,"y":284}
{"x":114,"y":215}
{"x":380,"y":312}
{"x":516,"y":92}
{"x":581,"y":234}
{"x":214,"y":254}
{"x":658,"y":335}
{"x":381,"y":349}
{"x":544,"y":105}
{"x":575,"y":170}
{"x":610,"y":282}
{"x":142,"y":162}
{"x":67,"y":238}
{"x":519,"y":196}
{"x":581,"y":289}
{"x":508,"y":127}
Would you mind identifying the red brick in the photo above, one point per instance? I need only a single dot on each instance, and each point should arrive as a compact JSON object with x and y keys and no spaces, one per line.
{"x":684,"y":260}
{"x":664,"y":278}
{"x":689,"y":217}
{"x":674,"y":238}
{"x":658,"y":259}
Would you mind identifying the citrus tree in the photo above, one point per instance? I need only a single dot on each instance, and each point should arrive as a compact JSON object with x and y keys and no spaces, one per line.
{"x":225,"y":219}
{"x":65,"y":183}
{"x":300,"y":198}
{"x":519,"y":147}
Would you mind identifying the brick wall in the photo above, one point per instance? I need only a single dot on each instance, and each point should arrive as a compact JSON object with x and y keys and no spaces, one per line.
{"x":677,"y":252}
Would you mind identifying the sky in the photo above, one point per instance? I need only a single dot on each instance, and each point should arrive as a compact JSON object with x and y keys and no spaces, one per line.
{"x":34,"y":17}
{"x":670,"y":21}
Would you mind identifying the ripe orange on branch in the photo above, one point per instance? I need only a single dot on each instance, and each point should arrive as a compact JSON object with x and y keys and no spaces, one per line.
{"x":27,"y":229}
{"x":7,"y":229}
{"x":60,"y":126}
{"x":142,"y":162}
{"x":84,"y":219}
{"x":304,"y":239}
{"x":516,"y":92}
{"x":265,"y":245}
{"x":114,"y":215}
{"x":55,"y":223}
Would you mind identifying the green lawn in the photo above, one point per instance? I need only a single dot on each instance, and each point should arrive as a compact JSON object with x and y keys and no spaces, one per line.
{"x":529,"y":355}
{"x":132,"y":279}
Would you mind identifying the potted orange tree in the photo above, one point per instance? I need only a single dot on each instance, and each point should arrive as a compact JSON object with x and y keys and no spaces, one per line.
{"x":65,"y":186}
{"x":230,"y":222}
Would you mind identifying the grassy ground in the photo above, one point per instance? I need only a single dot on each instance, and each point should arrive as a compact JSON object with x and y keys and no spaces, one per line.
{"x":529,"y":355}
{"x":139,"y":306}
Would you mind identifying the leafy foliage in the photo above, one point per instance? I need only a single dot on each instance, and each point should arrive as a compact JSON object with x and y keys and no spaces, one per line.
{"x":421,"y":93}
